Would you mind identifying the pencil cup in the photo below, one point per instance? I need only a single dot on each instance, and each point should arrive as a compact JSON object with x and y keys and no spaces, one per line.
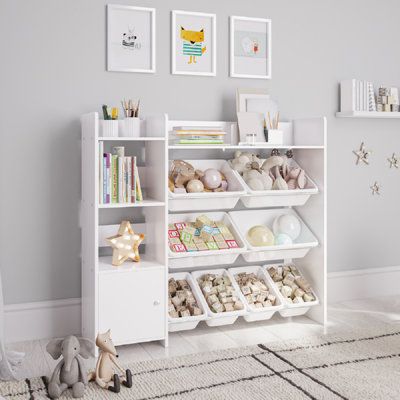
{"x":275,"y":136}
{"x":130,"y":127}
{"x":109,"y":128}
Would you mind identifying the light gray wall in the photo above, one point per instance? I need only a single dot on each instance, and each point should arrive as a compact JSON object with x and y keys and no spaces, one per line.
{"x":52,"y":70}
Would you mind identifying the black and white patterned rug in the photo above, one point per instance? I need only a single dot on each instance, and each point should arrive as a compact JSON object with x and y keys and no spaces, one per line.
{"x":356,"y":366}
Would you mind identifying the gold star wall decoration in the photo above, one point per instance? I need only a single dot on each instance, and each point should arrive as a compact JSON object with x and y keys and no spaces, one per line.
{"x":125,"y":244}
{"x":375,"y":188}
{"x":393,"y":161}
{"x":362,"y":154}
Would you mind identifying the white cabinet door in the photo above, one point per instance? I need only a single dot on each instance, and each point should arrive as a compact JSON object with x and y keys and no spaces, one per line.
{"x":132,"y":305}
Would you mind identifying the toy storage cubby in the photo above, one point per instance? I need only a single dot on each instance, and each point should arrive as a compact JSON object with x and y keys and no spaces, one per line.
{"x":132,"y":299}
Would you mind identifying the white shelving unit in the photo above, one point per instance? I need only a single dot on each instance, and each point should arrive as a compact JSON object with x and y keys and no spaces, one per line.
{"x":368,"y":114}
{"x":131,"y":300}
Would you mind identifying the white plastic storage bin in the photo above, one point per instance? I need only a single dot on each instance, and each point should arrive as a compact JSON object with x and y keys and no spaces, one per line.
{"x":278,"y":198}
{"x":210,"y":200}
{"x":244,"y":220}
{"x":207,"y":257}
{"x":256,"y":314}
{"x":186,"y":323}
{"x":290,"y":309}
{"x":217,"y":319}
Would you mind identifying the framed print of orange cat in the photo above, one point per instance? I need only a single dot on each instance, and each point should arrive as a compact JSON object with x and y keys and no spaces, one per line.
{"x":193,"y":43}
{"x":131,"y":33}
{"x":250,"y":47}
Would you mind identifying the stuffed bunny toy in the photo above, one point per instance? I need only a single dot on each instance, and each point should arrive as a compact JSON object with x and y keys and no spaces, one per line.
{"x":70,"y":372}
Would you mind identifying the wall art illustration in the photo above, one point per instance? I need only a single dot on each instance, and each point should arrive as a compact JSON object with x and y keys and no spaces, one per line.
{"x":130,"y":38}
{"x":193,"y":43}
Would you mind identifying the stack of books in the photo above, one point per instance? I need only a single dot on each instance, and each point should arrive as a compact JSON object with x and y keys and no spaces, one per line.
{"x":198,"y":135}
{"x":119,"y":180}
{"x":356,"y":95}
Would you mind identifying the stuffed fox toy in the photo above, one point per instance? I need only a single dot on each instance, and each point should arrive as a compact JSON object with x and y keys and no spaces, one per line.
{"x":108,"y":371}
{"x":192,"y":44}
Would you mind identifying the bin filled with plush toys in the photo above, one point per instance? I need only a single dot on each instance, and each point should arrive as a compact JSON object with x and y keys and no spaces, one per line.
{"x":275,"y":181}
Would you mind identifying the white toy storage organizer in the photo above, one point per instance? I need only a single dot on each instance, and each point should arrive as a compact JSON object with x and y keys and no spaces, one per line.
{"x":131,"y":300}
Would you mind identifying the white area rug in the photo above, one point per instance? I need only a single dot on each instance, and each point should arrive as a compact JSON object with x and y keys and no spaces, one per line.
{"x":356,"y":366}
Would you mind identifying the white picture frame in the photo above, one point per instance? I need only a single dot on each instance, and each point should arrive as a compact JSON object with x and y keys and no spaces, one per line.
{"x":194,"y":23}
{"x":250,"y":48}
{"x":137,"y":53}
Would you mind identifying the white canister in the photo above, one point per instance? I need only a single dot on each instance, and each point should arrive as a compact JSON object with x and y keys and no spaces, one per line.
{"x":130,"y":127}
{"x":275,"y":136}
{"x":109,"y":128}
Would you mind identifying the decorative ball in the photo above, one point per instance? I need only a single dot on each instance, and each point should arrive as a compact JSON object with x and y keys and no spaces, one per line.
{"x":260,"y":235}
{"x":287,"y":224}
{"x":194,"y":186}
{"x":283,"y":239}
{"x":212,"y":178}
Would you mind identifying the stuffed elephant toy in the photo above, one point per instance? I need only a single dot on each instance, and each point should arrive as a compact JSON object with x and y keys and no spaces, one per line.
{"x":70,"y":372}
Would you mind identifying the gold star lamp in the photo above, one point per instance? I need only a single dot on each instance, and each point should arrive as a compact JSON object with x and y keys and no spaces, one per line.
{"x":125,"y":244}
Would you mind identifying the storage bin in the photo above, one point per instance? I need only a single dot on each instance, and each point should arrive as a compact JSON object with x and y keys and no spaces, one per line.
{"x":257,"y":314}
{"x":207,"y":257}
{"x":278,"y":198}
{"x":130,"y":127}
{"x":290,"y":309}
{"x":209,"y":200}
{"x":186,"y":323}
{"x":244,"y":220}
{"x":109,"y":127}
{"x":216,"y":319}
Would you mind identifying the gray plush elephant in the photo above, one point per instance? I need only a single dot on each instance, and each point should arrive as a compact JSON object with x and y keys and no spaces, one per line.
{"x":70,"y":372}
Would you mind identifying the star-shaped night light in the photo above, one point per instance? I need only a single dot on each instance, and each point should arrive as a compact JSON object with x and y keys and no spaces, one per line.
{"x":125,"y":244}
{"x":393,"y":161}
{"x":375,"y":188}
{"x":362,"y":154}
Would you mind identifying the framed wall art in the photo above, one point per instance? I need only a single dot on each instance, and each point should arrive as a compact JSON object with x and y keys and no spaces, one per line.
{"x":250,"y":47}
{"x":193,"y":43}
{"x":131,"y":39}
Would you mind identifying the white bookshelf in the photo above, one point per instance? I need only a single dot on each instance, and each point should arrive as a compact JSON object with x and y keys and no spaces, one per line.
{"x":131,"y":300}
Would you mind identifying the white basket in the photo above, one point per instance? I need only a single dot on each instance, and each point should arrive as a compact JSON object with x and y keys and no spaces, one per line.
{"x":244,"y":220}
{"x":207,"y":257}
{"x":256,"y":314}
{"x":290,"y":309}
{"x":109,"y":127}
{"x":217,"y":319}
{"x":278,"y":198}
{"x":186,"y":323}
{"x":130,"y":127}
{"x":210,"y":200}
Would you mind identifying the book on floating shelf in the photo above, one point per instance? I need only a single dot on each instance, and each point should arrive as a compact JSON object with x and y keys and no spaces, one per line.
{"x":119,"y":180}
{"x":198,"y":135}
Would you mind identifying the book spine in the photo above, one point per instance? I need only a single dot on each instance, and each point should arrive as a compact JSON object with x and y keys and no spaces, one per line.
{"x":129,"y":179}
{"x":114,"y":186}
{"x":134,"y":180}
{"x":139,"y":194}
{"x":104,"y":176}
{"x":101,"y":172}
{"x":120,"y":177}
{"x":108,"y":178}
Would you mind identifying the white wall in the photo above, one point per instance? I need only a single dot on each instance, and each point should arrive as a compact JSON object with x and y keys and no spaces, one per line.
{"x":52,"y":70}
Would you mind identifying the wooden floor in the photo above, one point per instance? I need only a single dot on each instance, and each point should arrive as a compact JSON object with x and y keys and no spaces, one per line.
{"x":342,"y":317}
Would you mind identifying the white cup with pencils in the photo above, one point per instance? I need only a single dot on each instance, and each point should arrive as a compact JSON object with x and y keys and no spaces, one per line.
{"x":130,"y":126}
{"x":275,"y":135}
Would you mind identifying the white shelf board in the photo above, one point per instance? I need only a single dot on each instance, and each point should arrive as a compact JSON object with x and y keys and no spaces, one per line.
{"x":367,"y":114}
{"x":144,"y":203}
{"x":146,"y":262}
{"x":131,"y":139}
{"x":229,"y":147}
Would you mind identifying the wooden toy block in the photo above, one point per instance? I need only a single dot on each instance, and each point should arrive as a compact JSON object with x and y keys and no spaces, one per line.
{"x":171,"y":227}
{"x":222,"y":245}
{"x":203,"y":220}
{"x":178,"y":248}
{"x":206,"y":233}
{"x":201,"y":246}
{"x":218,"y":238}
{"x":186,"y":237}
{"x":191,"y":246}
{"x":173,"y":234}
{"x":180,"y":225}
{"x":228,"y":236}
{"x":174,"y":241}
{"x":232,"y":244}
{"x":216,"y":231}
{"x":198,"y":239}
{"x":212,"y":246}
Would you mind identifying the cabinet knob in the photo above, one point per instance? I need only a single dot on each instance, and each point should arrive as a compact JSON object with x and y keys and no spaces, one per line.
{"x":156,"y":302}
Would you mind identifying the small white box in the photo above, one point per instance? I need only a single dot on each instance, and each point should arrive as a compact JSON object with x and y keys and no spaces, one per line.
{"x":275,"y":136}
